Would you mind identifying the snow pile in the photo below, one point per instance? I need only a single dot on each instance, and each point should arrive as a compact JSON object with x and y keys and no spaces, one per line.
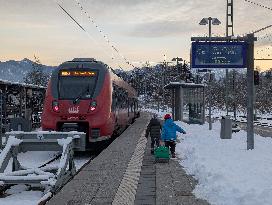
{"x":160,"y":114}
{"x":227,"y":173}
{"x":12,"y":141}
{"x":45,"y":197}
{"x":64,"y":143}
{"x":19,"y":195}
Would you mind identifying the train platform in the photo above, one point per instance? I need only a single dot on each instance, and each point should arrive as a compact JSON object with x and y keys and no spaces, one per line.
{"x":126,"y":173}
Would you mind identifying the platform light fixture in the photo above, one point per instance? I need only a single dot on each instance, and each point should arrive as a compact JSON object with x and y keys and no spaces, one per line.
{"x":210,"y":21}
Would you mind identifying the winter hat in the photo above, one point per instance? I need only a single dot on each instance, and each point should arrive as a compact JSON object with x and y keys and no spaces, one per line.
{"x":167,"y":116}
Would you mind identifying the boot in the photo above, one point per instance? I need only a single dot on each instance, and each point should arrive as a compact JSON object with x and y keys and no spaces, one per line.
{"x":173,"y":155}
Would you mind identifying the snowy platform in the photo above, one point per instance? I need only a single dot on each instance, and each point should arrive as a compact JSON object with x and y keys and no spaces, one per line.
{"x":113,"y":174}
{"x":165,"y":183}
{"x":126,"y":173}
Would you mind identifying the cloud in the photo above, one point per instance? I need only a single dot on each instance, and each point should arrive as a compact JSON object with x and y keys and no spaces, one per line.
{"x":160,"y":29}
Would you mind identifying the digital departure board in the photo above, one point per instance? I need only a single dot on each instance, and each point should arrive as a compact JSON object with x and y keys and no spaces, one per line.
{"x":218,"y":55}
{"x":78,"y":73}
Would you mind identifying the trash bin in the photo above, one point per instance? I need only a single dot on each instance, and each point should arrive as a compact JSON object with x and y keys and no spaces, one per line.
{"x":226,"y":127}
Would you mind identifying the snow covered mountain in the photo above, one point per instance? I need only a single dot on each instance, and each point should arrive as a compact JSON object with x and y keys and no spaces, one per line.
{"x":15,"y":71}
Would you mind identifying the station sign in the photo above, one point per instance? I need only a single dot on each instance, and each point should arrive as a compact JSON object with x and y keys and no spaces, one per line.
{"x":218,"y":55}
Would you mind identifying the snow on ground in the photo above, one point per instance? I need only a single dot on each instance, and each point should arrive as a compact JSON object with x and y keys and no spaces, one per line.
{"x":19,"y":194}
{"x":160,"y":114}
{"x":35,"y":158}
{"x":227,"y":173}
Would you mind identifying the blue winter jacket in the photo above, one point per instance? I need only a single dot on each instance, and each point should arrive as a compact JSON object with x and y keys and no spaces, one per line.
{"x":169,"y":130}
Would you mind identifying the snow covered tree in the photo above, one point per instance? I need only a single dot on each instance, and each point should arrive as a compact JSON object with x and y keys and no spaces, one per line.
{"x":36,"y":76}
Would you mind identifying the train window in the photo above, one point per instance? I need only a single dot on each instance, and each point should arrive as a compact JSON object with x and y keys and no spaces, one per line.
{"x":120,"y":96}
{"x":131,"y":105}
{"x":71,"y":87}
{"x":114,"y":98}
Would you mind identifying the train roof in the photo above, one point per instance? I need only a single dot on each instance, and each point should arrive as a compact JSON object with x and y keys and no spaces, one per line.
{"x":116,"y":79}
{"x":121,"y":83}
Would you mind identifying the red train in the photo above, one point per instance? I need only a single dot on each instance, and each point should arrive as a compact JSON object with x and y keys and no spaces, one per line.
{"x":85,"y":95}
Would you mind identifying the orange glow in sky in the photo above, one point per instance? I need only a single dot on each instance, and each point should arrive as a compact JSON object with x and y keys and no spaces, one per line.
{"x":140,"y":30}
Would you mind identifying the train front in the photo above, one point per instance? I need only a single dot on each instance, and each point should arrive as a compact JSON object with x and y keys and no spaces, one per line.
{"x":78,"y":98}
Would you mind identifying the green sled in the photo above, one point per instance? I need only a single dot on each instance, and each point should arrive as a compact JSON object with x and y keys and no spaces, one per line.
{"x":162,"y":154}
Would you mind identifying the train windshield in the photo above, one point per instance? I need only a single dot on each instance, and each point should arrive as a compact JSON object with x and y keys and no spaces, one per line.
{"x":76,"y":86}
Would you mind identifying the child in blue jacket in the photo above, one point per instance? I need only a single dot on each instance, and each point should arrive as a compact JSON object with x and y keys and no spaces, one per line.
{"x":169,"y":130}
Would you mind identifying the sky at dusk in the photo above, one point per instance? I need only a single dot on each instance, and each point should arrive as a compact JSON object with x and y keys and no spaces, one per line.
{"x":142,"y":30}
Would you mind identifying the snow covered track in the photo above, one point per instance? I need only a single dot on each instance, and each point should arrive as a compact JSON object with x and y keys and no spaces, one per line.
{"x":50,"y":178}
{"x":264,"y":131}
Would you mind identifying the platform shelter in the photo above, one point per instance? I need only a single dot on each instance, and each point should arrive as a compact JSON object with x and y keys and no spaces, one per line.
{"x":188,"y":102}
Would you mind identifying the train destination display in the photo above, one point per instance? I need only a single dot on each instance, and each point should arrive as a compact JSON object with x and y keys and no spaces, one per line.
{"x":218,"y":55}
{"x":78,"y":73}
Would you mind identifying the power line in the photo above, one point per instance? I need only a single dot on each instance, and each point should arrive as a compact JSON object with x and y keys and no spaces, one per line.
{"x":262,"y":29}
{"x":83,"y":29}
{"x":103,"y":34}
{"x":260,"y":5}
{"x":71,"y":17}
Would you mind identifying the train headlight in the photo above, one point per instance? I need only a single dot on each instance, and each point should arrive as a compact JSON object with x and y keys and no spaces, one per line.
{"x":55,"y":106}
{"x":93,"y":105}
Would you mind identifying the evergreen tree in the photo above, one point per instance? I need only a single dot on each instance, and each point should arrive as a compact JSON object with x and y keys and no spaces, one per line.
{"x":36,"y":76}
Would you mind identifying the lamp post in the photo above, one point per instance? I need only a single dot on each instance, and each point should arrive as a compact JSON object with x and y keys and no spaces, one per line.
{"x":210,"y":21}
{"x":177,"y":59}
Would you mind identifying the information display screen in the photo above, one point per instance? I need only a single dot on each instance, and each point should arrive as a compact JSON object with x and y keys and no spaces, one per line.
{"x":78,"y":73}
{"x":218,"y":55}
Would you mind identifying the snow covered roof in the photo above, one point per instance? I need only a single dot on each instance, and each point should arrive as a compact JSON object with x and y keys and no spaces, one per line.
{"x":6,"y":82}
{"x":173,"y":85}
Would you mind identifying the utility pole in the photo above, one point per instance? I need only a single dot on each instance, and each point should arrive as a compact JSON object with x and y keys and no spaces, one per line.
{"x":210,"y":93}
{"x":210,"y":21}
{"x":163,"y":80}
{"x":250,"y":91}
{"x":229,"y":29}
{"x":234,"y":95}
{"x":177,"y":59}
{"x":229,"y":19}
{"x":1,"y":117}
{"x":210,"y":101}
{"x":227,"y":91}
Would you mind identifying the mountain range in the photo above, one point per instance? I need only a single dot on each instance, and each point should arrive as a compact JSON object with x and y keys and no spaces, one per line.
{"x":15,"y":71}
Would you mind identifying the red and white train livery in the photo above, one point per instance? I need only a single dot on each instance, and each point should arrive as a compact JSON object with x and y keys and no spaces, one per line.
{"x":85,"y":95}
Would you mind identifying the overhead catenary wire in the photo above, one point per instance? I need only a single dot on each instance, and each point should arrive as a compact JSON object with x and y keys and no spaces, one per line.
{"x":103,"y":34}
{"x":258,"y":4}
{"x":261,"y":6}
{"x":80,"y":26}
{"x":71,"y":17}
{"x":83,"y":29}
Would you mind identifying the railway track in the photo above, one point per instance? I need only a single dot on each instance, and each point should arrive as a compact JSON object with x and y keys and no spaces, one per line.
{"x":264,"y":131}
{"x":21,"y":183}
{"x":80,"y":159}
{"x":47,"y":196}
